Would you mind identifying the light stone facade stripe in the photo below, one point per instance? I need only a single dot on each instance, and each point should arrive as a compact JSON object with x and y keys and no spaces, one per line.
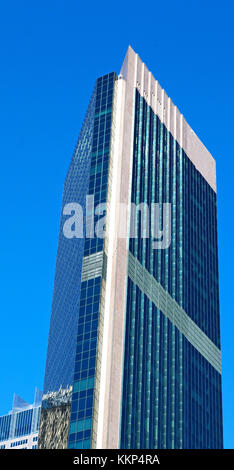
{"x":109,"y":414}
{"x":169,"y":307}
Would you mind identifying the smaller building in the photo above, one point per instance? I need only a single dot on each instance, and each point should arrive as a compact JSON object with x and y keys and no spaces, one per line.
{"x":55,"y":419}
{"x":19,"y":428}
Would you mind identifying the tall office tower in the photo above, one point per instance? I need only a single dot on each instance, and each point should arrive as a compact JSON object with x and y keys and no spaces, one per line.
{"x":19,"y":428}
{"x":134,"y":355}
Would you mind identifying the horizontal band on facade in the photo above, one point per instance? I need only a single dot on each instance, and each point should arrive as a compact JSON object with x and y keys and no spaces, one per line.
{"x":170,"y":308}
{"x":93,"y":266}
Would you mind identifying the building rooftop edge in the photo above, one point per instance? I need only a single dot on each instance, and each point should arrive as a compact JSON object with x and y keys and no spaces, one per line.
{"x":141,"y":78}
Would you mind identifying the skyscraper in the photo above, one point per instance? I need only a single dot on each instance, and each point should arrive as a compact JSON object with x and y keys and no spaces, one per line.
{"x":133,"y":356}
{"x":19,"y":428}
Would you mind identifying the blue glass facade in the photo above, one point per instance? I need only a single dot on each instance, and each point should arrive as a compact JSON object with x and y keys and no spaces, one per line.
{"x":5,"y":422}
{"x":152,"y":361}
{"x":85,"y":361}
{"x":71,"y":355}
{"x":171,"y":393}
{"x":202,"y":406}
{"x":65,"y":305}
{"x":87,"y":175}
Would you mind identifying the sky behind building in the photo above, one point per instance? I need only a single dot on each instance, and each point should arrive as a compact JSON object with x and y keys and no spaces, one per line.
{"x":51,"y":55}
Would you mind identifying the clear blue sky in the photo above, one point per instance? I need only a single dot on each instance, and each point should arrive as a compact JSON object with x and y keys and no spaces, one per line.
{"x":50,"y":55}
